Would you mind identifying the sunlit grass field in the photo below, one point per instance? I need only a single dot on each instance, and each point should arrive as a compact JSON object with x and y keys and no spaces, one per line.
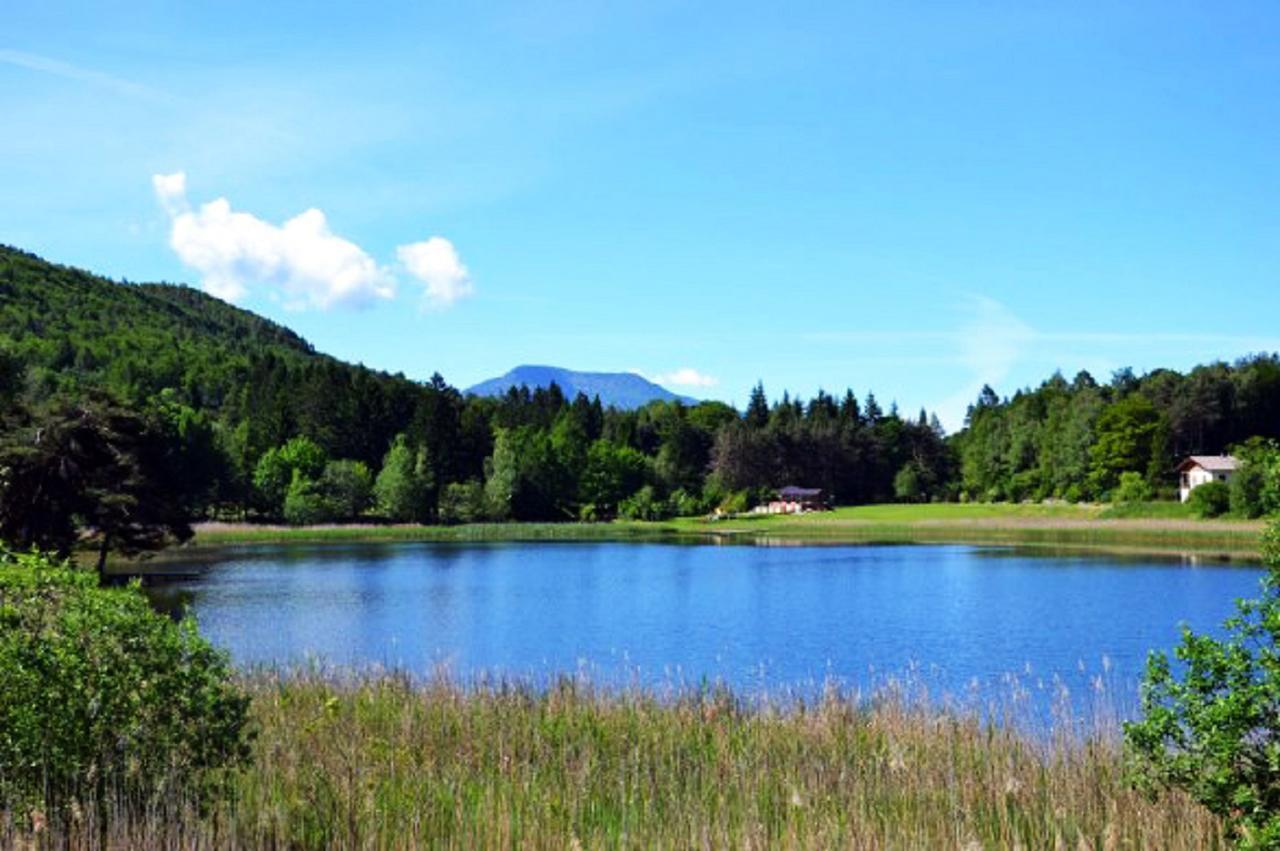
{"x":1061,"y":526}
{"x":912,"y":513}
{"x":1151,"y":528}
{"x":376,"y":761}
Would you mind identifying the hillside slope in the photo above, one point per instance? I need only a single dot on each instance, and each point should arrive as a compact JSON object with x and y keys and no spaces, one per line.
{"x":143,"y":337}
{"x":77,"y":331}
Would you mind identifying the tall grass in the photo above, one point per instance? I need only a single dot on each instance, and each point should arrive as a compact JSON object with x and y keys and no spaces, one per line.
{"x":1164,"y":509}
{"x":220,"y":534}
{"x":378,"y":761}
{"x":1068,"y":526}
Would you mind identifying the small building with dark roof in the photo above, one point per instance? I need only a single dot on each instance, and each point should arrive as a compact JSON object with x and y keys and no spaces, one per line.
{"x":796,"y":500}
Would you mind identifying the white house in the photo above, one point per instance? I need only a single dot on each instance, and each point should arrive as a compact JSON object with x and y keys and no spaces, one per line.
{"x":1198,"y":469}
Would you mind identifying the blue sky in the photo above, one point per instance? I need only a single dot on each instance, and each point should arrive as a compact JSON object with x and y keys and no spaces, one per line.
{"x":910,"y":198}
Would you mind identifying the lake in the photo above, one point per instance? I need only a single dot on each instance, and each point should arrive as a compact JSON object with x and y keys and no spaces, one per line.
{"x":962,"y":619}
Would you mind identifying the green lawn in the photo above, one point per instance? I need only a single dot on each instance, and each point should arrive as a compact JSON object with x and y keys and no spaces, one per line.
{"x":957,"y":511}
{"x":1058,"y":525}
{"x":1152,"y":528}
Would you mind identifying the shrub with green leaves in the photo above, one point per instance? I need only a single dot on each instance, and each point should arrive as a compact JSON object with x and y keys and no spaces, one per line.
{"x":1133,"y":488}
{"x":736,"y":502}
{"x":1255,"y":488}
{"x":402,"y":489}
{"x":683,"y":503}
{"x":644,"y":504}
{"x":277,"y":468}
{"x":1211,"y":725}
{"x":307,"y":502}
{"x":1212,"y":499}
{"x":349,"y":487}
{"x":104,"y":704}
{"x":463,"y":502}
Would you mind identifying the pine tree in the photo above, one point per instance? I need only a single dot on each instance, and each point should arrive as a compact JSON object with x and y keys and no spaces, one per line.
{"x":872,"y":412}
{"x":757,"y":416}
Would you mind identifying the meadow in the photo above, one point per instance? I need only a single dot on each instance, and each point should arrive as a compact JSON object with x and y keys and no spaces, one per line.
{"x":377,"y":761}
{"x":1062,"y":526}
{"x":1150,"y":528}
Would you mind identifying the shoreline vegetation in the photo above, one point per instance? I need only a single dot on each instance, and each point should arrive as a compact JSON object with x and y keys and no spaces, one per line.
{"x":1067,"y":527}
{"x":376,"y":760}
{"x":154,"y":406}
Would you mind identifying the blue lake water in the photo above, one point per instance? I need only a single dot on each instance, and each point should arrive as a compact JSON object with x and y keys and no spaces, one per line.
{"x":762,"y":619}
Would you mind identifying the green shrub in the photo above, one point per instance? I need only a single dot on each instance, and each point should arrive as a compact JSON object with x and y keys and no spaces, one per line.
{"x":682,"y":503}
{"x":1246,"y":491}
{"x":276,"y":469}
{"x":349,"y":487}
{"x":307,"y":503}
{"x":1211,"y":728}
{"x":1132,"y":488}
{"x":1255,"y":488}
{"x":463,"y":502}
{"x":736,"y":502}
{"x":644,"y":505}
{"x":106,"y":705}
{"x":907,"y":486}
{"x":1212,"y":499}
{"x":342,"y":492}
{"x":402,"y":488}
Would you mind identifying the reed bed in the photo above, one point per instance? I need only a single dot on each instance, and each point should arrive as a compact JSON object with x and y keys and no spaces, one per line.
{"x":218,"y":533}
{"x":1122,"y":537}
{"x":381,"y":761}
{"x":998,"y":525}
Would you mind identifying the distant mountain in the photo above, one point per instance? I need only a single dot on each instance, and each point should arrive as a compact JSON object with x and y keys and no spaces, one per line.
{"x":620,"y":389}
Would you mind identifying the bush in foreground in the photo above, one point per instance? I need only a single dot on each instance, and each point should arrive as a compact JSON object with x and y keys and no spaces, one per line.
{"x":105,"y":706}
{"x":1213,"y":726}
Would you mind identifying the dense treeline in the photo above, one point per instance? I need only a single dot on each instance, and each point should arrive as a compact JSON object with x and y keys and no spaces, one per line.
{"x":239,"y":417}
{"x":261,"y":425}
{"x":1075,"y":440}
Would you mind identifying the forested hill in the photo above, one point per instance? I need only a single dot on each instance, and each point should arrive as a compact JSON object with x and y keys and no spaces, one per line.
{"x":250,"y":419}
{"x":256,"y":422}
{"x":56,"y":314}
{"x":76,"y":331}
{"x":71,"y":326}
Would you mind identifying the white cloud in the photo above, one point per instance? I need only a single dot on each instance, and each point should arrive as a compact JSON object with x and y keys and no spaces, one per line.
{"x":684,"y":376}
{"x":171,"y":189}
{"x":302,"y":261}
{"x":435,"y":262}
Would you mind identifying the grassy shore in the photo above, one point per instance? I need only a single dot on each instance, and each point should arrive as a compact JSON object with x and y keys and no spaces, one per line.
{"x":379,"y":762}
{"x":1053,"y":526}
{"x":1050,"y":526}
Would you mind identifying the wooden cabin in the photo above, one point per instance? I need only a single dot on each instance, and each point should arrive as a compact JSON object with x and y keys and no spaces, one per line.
{"x":797,"y":500}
